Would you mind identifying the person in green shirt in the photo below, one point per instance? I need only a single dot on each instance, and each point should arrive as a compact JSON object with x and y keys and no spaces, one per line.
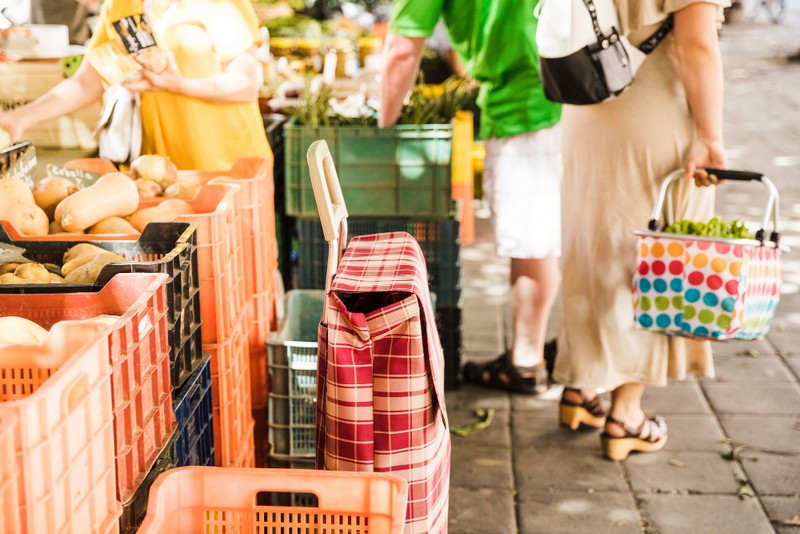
{"x":495,"y":40}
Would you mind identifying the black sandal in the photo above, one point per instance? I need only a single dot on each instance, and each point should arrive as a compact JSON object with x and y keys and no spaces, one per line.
{"x":501,"y":374}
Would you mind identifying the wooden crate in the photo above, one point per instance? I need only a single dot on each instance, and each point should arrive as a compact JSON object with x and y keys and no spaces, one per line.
{"x":25,"y":81}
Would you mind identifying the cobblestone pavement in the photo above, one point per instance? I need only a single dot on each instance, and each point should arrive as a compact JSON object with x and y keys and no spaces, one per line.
{"x":525,"y":474}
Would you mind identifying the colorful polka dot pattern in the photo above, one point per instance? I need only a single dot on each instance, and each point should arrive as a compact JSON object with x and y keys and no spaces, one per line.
{"x":705,"y":289}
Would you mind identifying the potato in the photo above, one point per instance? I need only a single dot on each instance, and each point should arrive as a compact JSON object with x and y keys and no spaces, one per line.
{"x":80,"y":249}
{"x":11,"y":278}
{"x":88,"y":272}
{"x":33,"y":271}
{"x":73,"y":264}
{"x":113,"y":225}
{"x":8,"y":268}
{"x":56,"y":279}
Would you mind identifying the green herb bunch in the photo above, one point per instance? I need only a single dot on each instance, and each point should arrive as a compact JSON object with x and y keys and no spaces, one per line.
{"x":715,"y":227}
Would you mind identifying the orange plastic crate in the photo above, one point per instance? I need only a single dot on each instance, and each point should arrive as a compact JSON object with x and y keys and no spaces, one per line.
{"x":9,"y":475}
{"x":259,"y":308}
{"x":212,"y":499}
{"x":138,"y":346}
{"x":230,"y":393}
{"x":61,"y":395}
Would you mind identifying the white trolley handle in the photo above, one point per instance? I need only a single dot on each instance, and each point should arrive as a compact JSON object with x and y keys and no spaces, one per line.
{"x":330,"y":204}
{"x":770,"y":210}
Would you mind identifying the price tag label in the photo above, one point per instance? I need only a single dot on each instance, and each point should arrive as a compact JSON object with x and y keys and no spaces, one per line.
{"x":79,"y":176}
{"x":22,"y":168}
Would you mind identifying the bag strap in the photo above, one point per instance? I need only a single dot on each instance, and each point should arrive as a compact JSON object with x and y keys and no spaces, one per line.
{"x":650,"y":44}
{"x":647,"y":46}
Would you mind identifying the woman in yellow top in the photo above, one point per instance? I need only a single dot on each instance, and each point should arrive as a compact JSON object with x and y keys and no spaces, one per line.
{"x":202,"y":111}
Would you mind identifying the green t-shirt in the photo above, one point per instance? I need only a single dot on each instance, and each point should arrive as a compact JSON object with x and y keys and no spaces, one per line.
{"x":496,"y":41}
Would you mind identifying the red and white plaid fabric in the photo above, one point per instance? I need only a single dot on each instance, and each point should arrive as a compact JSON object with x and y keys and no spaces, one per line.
{"x":380,"y":386}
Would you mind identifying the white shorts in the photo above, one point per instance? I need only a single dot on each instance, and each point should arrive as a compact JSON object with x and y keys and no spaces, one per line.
{"x":522,"y":183}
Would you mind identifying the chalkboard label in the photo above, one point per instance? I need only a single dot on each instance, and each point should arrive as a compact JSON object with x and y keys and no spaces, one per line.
{"x":79,"y":176}
{"x":23,"y":166}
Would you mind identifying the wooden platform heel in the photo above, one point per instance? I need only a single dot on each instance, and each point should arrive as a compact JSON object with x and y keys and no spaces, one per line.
{"x":589,"y":412}
{"x":650,"y":437}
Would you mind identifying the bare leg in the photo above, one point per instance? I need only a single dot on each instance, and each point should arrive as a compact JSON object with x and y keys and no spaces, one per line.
{"x":534,"y":288}
{"x":626,"y":406}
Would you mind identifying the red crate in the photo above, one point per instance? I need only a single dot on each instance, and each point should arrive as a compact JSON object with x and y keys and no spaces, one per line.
{"x":60,"y":393}
{"x":9,"y":475}
{"x":232,"y":408}
{"x":139,"y":354}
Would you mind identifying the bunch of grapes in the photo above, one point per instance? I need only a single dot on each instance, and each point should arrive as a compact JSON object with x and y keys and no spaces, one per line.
{"x":715,"y":227}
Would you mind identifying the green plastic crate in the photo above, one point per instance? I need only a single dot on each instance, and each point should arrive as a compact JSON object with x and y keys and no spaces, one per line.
{"x":399,"y":171}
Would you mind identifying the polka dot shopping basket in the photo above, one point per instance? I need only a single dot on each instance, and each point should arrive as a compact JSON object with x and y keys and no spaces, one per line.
{"x":706,"y":287}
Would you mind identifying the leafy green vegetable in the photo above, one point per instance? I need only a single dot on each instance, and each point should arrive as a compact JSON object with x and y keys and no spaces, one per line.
{"x":715,"y":227}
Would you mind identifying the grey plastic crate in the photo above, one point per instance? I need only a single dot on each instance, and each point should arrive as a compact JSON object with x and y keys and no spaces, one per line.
{"x":292,"y":365}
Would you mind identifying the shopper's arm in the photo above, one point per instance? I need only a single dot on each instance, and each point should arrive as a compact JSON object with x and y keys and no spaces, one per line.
{"x":237,"y":83}
{"x":401,"y":56}
{"x":68,"y":96}
{"x":701,"y":73}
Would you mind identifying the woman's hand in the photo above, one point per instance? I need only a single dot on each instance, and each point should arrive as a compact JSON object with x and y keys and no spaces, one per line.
{"x":705,"y":153}
{"x":169,"y":80}
{"x":13,"y":125}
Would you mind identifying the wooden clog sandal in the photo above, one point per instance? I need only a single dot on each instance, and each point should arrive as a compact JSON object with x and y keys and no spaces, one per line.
{"x":651,"y":436}
{"x":589,"y":412}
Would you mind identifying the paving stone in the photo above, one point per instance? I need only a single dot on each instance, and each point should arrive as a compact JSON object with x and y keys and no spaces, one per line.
{"x":777,"y":433}
{"x":681,"y":514}
{"x":481,"y":467}
{"x":545,"y":404}
{"x":566,"y":469}
{"x":572,"y":512}
{"x":678,"y":397}
{"x":683,"y":473}
{"x":540,"y":431}
{"x":741,"y":348}
{"x":763,"y":368}
{"x":481,"y":511}
{"x":793,"y":361}
{"x":785,"y":341}
{"x":783,"y":510}
{"x":772,"y":474}
{"x":461,"y":406}
{"x":753,"y":398}
{"x":694,"y":432}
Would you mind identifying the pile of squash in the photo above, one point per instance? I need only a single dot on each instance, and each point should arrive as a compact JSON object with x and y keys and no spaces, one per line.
{"x":109,"y":206}
{"x":21,"y":331}
{"x":81,"y":264}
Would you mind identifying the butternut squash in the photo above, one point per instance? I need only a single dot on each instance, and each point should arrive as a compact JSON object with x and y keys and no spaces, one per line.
{"x":33,"y":271}
{"x":113,"y":225}
{"x":81,"y":249}
{"x":20,"y":331}
{"x":56,"y":279}
{"x":55,"y":229}
{"x":112,"y":195}
{"x":88,"y":272}
{"x":164,"y":212}
{"x":52,"y":190}
{"x":18,"y":206}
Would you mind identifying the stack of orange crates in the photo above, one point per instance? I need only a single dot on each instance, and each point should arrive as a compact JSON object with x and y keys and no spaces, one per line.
{"x":9,"y":475}
{"x":60,"y":393}
{"x":138,"y":346}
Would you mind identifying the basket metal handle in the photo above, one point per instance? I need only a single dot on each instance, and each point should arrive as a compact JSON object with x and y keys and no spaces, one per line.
{"x":770,"y":210}
{"x":330,"y":204}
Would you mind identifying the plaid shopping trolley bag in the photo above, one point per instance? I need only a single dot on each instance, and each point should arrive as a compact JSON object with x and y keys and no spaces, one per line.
{"x":708,"y":287}
{"x":380,"y":388}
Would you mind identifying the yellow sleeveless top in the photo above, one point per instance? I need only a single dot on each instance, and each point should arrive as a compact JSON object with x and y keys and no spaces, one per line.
{"x":203,"y":35}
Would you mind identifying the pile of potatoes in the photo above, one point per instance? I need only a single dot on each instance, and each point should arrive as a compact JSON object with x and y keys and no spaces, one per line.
{"x":109,"y":206}
{"x":82,"y":264}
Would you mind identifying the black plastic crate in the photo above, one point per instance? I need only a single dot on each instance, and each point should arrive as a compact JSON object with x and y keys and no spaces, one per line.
{"x":135,"y":510}
{"x":273,"y":126}
{"x":194,"y":443}
{"x":438,"y":239}
{"x":167,"y":247}
{"x":448,"y":321}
